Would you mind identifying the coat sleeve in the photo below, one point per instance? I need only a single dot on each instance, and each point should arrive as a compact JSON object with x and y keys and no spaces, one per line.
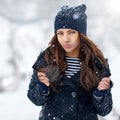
{"x":102,"y":99}
{"x":37,"y":93}
{"x":103,"y":106}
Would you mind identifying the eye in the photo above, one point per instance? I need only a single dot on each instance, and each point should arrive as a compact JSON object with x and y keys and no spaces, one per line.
{"x":59,"y":33}
{"x":72,"y":32}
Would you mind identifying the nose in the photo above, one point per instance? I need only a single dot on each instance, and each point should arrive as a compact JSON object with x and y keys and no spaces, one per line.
{"x":66,"y":38}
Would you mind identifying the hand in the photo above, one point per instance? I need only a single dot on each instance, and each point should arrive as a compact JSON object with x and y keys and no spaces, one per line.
{"x":43,"y":78}
{"x":104,"y":84}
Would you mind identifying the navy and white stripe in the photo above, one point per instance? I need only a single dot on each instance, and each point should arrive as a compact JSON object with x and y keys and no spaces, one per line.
{"x":73,"y":66}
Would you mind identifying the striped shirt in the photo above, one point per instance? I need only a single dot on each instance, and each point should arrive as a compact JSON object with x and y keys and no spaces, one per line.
{"x":73,"y":66}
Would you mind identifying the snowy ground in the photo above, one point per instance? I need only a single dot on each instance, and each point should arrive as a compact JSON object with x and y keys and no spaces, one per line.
{"x":14,"y":105}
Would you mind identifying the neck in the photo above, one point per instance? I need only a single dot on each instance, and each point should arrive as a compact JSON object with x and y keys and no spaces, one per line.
{"x":72,"y":55}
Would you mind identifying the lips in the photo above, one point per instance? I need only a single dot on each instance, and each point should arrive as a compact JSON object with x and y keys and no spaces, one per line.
{"x":67,"y":46}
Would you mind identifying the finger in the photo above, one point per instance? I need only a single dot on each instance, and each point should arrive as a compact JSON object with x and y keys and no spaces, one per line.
{"x":41,"y":74}
{"x":107,"y":79}
{"x":104,"y":83}
{"x":103,"y":86}
{"x":42,"y":78}
{"x":45,"y":80}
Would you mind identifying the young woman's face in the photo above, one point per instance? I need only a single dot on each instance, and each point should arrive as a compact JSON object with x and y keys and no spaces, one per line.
{"x":70,"y":41}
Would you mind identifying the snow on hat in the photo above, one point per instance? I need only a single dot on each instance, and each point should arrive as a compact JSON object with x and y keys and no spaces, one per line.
{"x":71,"y":17}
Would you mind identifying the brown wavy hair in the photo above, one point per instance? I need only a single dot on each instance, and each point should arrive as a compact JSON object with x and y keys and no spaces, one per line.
{"x":55,"y":55}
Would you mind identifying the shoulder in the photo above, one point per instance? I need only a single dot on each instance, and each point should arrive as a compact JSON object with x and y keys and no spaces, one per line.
{"x":40,"y":62}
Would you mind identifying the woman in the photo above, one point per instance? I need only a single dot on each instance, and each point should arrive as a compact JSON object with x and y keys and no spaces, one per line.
{"x":71,"y":78}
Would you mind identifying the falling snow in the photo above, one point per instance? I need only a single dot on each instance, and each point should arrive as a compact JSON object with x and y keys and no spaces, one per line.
{"x":27,"y":30}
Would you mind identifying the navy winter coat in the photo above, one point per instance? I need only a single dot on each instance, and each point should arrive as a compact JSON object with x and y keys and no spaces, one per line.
{"x":70,"y":102}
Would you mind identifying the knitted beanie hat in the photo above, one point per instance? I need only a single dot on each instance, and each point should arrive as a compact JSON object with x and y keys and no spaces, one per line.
{"x":71,"y":17}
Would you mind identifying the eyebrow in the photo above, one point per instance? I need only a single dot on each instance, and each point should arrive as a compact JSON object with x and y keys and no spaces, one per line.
{"x":66,"y":31}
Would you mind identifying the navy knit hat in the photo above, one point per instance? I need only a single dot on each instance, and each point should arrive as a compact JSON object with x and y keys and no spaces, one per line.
{"x":71,"y":17}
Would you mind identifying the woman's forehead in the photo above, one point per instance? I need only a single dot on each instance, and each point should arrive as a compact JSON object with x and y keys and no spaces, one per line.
{"x":65,"y":30}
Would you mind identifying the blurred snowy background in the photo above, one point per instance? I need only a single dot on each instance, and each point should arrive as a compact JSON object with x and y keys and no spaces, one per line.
{"x":26,"y":27}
